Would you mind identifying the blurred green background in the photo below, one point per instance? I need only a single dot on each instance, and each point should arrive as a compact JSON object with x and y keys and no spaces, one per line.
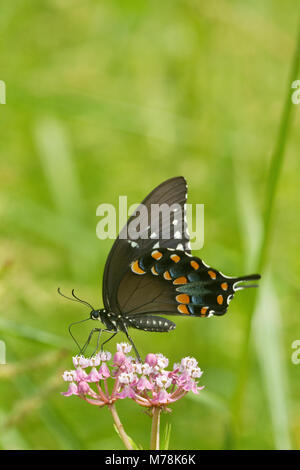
{"x":109,"y":98}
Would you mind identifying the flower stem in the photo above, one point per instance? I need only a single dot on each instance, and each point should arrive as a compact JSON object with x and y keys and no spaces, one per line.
{"x":154,"y":444}
{"x":120,"y":428}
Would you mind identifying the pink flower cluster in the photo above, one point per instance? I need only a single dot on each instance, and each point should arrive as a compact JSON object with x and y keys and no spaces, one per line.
{"x":149,"y":384}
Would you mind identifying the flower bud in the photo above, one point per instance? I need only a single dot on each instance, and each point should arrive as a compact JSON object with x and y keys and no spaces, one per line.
{"x":119,"y":358}
{"x":151,"y":359}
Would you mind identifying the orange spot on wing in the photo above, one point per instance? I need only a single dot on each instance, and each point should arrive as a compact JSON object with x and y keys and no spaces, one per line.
{"x":212,"y":274}
{"x":204,"y":310}
{"x":183,"y":298}
{"x":156,"y":254}
{"x":183,"y":309}
{"x":136,"y":268}
{"x":180,"y":280}
{"x":167,"y":276}
{"x":175,"y":258}
{"x":220,"y":299}
{"x":224,"y":285}
{"x":195,"y":265}
{"x":153,"y":270}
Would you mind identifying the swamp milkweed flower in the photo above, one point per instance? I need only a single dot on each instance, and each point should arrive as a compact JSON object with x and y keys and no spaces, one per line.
{"x":102,"y":380}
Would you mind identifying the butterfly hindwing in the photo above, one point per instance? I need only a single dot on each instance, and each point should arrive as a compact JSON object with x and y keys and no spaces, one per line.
{"x":181,"y":285}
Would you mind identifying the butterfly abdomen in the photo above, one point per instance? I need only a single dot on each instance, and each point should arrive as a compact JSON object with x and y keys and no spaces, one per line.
{"x":150,"y":323}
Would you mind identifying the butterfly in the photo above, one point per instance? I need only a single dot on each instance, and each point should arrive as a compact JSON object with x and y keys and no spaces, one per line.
{"x":148,"y":274}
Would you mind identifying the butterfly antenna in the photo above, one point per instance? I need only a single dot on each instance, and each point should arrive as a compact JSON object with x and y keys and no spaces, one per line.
{"x":75,"y":299}
{"x":82,"y":301}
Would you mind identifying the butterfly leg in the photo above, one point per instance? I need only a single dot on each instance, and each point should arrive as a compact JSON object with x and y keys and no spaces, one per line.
{"x":100,"y":330}
{"x":106,"y":341}
{"x":132,"y":343}
{"x":83,"y":349}
{"x":98,"y":340}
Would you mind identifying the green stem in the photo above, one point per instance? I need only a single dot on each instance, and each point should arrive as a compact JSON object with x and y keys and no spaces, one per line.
{"x":154,"y":444}
{"x":271,"y":190}
{"x":126,"y":440}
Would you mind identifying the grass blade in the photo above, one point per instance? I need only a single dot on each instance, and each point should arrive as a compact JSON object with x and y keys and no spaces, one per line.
{"x":58,"y":166}
{"x":267,"y":334}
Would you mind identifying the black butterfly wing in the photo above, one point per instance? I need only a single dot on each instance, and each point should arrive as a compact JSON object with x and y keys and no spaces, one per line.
{"x":153,"y":230}
{"x":145,"y":295}
{"x":172,"y":282}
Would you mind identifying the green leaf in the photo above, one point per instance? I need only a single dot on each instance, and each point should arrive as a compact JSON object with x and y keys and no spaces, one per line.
{"x":166,"y":437}
{"x":134,"y":445}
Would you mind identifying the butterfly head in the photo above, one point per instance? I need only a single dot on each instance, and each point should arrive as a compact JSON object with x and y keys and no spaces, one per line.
{"x":96,"y":314}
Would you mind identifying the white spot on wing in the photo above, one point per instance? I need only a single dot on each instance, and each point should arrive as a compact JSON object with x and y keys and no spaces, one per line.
{"x":180,"y":247}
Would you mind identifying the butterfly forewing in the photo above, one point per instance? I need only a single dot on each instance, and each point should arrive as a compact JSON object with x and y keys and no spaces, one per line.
{"x":147,"y":228}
